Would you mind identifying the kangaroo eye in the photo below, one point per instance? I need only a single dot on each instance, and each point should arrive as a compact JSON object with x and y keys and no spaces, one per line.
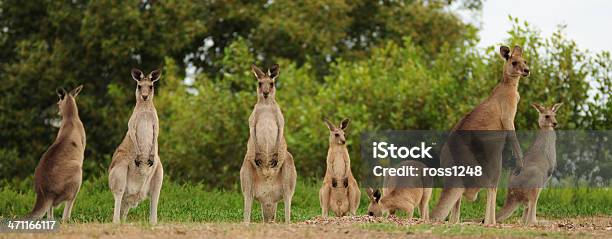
{"x":139,"y":87}
{"x":548,"y":116}
{"x":259,"y":84}
{"x":337,"y":135}
{"x":514,"y":63}
{"x":258,"y":162}
{"x":272,"y":84}
{"x":150,"y":87}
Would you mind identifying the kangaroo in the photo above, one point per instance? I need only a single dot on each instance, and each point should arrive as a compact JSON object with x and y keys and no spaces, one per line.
{"x":59,"y":173}
{"x":496,"y":113}
{"x":136,"y":170}
{"x":405,"y":195}
{"x":540,"y":162}
{"x":268,"y":172}
{"x":340,"y":191}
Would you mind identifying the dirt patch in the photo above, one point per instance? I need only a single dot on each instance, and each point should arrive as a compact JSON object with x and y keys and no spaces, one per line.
{"x":346,"y":227}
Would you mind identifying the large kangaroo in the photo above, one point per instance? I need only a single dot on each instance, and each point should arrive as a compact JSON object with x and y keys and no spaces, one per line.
{"x":268,"y":172}
{"x":496,"y":113}
{"x":136,"y":170}
{"x":540,"y":162}
{"x":402,"y":193}
{"x":59,"y":173}
{"x":340,"y":191}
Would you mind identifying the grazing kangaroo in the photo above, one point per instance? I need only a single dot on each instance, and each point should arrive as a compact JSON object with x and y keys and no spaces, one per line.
{"x":136,"y":170}
{"x":268,"y":172}
{"x":496,"y":113}
{"x":59,"y":173}
{"x":340,"y":191}
{"x":402,"y":195}
{"x":540,"y":162}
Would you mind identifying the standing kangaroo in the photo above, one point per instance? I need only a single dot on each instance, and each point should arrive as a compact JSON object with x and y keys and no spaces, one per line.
{"x":340,"y":191}
{"x":496,"y":113}
{"x":400,"y":193}
{"x":268,"y":172}
{"x":540,"y":162}
{"x":59,"y":173}
{"x":136,"y":170}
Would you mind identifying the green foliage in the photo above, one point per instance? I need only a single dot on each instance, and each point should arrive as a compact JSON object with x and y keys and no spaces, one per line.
{"x":384,"y":64}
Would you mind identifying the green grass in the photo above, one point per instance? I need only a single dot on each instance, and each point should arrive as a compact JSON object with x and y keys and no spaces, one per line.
{"x":193,"y":203}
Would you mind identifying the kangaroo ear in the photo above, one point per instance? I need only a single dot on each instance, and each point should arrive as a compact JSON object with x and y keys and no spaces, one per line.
{"x":257,"y":72}
{"x":155,"y":75}
{"x":61,"y":93}
{"x":329,"y":124}
{"x":538,"y":107}
{"x":504,"y":52}
{"x":556,"y":106}
{"x":344,"y":124}
{"x":370,"y":193}
{"x":517,"y":51}
{"x":377,"y":195}
{"x":74,"y":92}
{"x":137,"y":74}
{"x":274,"y":71}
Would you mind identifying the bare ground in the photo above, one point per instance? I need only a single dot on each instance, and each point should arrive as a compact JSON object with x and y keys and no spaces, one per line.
{"x":346,"y":227}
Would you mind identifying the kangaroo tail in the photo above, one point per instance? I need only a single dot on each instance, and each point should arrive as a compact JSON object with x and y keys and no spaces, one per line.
{"x":40,"y":207}
{"x":509,"y":206}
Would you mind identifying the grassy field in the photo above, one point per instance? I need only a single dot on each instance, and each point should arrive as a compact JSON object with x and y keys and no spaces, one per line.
{"x":193,"y":203}
{"x":188,"y":209}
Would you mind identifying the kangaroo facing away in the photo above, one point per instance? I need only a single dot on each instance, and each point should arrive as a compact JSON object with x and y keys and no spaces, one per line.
{"x":407,"y":194}
{"x":136,"y":170}
{"x":540,"y":162}
{"x":340,"y":191}
{"x":59,"y":173}
{"x":496,"y":113}
{"x":268,"y":172}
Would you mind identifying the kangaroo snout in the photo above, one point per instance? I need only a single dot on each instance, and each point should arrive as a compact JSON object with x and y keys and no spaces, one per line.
{"x":145,"y":97}
{"x":266,"y":94}
{"x":526,"y":72}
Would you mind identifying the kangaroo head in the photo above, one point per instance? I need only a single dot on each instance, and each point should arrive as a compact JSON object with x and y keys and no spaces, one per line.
{"x":547,"y":115}
{"x":515,"y":66}
{"x":375,"y":208}
{"x":67,"y":102}
{"x":336,"y":134}
{"x":266,"y":88}
{"x":144,"y":88}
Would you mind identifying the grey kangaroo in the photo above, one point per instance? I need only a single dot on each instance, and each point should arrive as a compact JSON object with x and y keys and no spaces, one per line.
{"x":494,"y":114}
{"x":540,"y":162}
{"x":268,"y":172}
{"x":340,"y":191}
{"x":136,"y":170}
{"x":59,"y":173}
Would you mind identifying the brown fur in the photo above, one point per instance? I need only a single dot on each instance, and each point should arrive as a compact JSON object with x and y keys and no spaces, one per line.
{"x":497,"y":113}
{"x":340,"y":191}
{"x":405,"y":195}
{"x":268,"y":171}
{"x":540,"y":162}
{"x":58,"y":176}
{"x":136,"y":170}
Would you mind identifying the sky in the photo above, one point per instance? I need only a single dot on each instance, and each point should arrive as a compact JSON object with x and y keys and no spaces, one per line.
{"x":589,"y":22}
